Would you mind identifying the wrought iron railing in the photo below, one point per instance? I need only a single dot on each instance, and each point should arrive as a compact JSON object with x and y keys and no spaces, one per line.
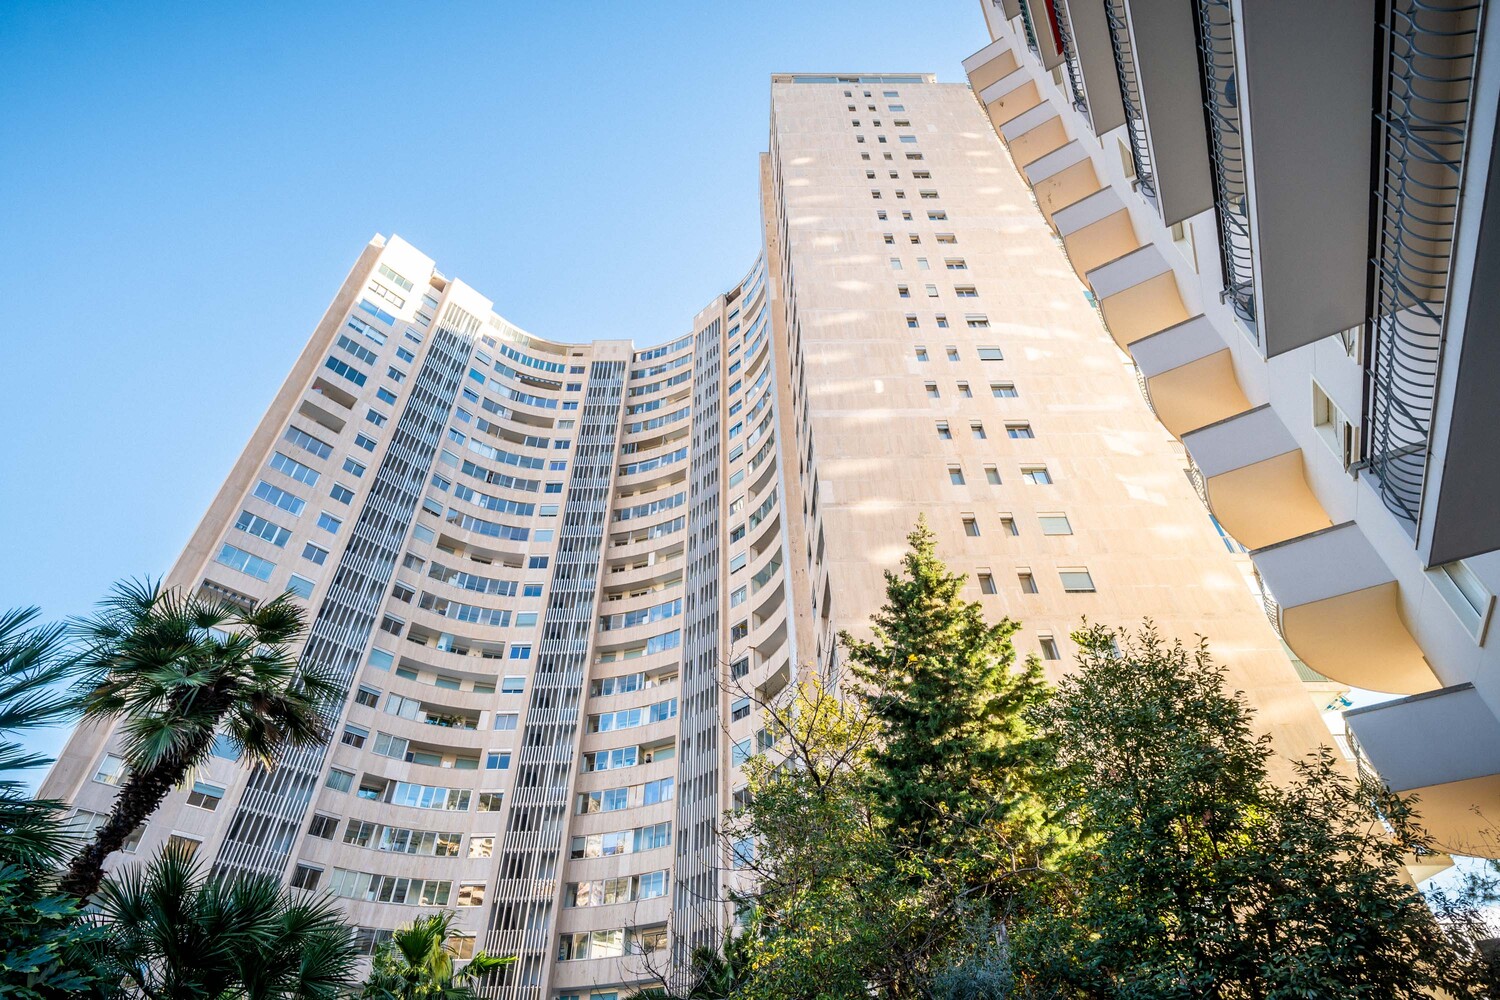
{"x":1421,"y":131}
{"x":1272,"y":608}
{"x":1221,"y":97}
{"x":1029,"y":28}
{"x":1130,"y":94}
{"x":1070,"y":60}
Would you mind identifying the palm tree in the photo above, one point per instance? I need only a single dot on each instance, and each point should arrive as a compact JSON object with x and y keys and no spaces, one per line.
{"x":417,"y":964}
{"x":177,"y":670}
{"x":32,"y":694}
{"x":40,"y":946}
{"x":172,"y":932}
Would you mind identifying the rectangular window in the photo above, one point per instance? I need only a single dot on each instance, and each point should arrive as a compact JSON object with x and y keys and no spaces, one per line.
{"x":253,"y":524}
{"x":278,"y":497}
{"x":943,"y":433}
{"x":205,"y":796}
{"x":111,"y":770}
{"x":1036,"y":474}
{"x":1003,"y":390}
{"x":339,"y":781}
{"x":341,"y":493}
{"x":987,"y":583}
{"x":323,"y":827}
{"x":313,"y":554}
{"x":329,"y":523}
{"x":294,"y":469}
{"x":1049,"y":648}
{"x":1076,"y":581}
{"x":932,"y":390}
{"x":245,"y":562}
{"x":1019,"y":431}
{"x":966,"y":292}
{"x":971,"y":527}
{"x":353,"y":468}
{"x":977,"y":430}
{"x":512,"y":684}
{"x":1027,"y":581}
{"x":307,"y":442}
{"x":1055,"y":524}
{"x":507,"y":722}
{"x":992,"y":475}
{"x":977,"y":322}
{"x":301,"y":586}
{"x":991,"y":354}
{"x":955,"y":475}
{"x":497,"y":760}
{"x":367,"y":443}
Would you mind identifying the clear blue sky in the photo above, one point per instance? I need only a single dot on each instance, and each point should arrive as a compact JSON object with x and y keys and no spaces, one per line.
{"x":184,"y":185}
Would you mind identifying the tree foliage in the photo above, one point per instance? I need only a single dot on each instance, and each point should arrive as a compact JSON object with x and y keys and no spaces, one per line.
{"x":39,"y":948}
{"x":172,"y":931}
{"x":177,"y":670}
{"x":419,"y":963}
{"x":1198,"y":876}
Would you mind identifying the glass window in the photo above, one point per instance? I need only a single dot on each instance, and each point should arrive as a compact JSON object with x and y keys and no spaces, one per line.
{"x":1055,"y":524}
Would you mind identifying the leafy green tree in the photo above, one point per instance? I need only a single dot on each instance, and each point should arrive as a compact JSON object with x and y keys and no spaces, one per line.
{"x":957,"y":775}
{"x":713,"y":974}
{"x":1200,"y":877}
{"x":824,"y":900}
{"x":39,"y":950}
{"x":178,"y":670}
{"x":418,"y":963}
{"x":173,"y":932}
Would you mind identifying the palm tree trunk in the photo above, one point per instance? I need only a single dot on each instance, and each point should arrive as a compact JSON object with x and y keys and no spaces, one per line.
{"x":139,"y":797}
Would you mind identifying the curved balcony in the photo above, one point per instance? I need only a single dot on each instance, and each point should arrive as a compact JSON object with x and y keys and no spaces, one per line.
{"x":1034,"y":134}
{"x":1189,"y":375}
{"x":1443,"y":747}
{"x":1011,"y":95}
{"x":1061,"y":177}
{"x":991,"y":63}
{"x":1341,"y":610}
{"x":1256,"y":483}
{"x":1138,"y":295}
{"x":1095,"y":230}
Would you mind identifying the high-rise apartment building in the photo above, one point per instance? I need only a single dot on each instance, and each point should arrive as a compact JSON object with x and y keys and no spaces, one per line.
{"x":559,"y":578}
{"x":1288,"y":214}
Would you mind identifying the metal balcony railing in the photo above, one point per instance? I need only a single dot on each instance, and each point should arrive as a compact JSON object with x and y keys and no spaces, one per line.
{"x":1421,"y":133}
{"x":1221,"y":98}
{"x":1070,"y":60}
{"x":1272,"y":608}
{"x":1130,"y":94}
{"x":1029,"y":28}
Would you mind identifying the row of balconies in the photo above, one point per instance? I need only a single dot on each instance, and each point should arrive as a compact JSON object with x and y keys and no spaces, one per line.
{"x":1294,"y":244}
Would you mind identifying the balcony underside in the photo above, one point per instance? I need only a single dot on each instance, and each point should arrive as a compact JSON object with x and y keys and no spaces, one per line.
{"x":1256,"y":483}
{"x":1142,"y":309}
{"x":1341,"y":610}
{"x":1267,"y":502}
{"x":1443,"y":748}
{"x":1359,"y":639}
{"x":1197,"y":394}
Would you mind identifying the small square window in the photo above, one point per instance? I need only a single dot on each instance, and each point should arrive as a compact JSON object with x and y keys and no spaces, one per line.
{"x":1027,"y":581}
{"x":992,"y":475}
{"x":1008,"y":525}
{"x":971,"y":527}
{"x":1049,"y":648}
{"x":977,"y":429}
{"x":952,"y":353}
{"x":932,"y":390}
{"x":1076,"y":581}
{"x":943,"y":433}
{"x":1055,"y":524}
{"x":903,"y":291}
{"x":955,"y":475}
{"x":921,"y":354}
{"x":323,"y":827}
{"x":911,"y":321}
{"x":987,"y":583}
{"x":964,"y":391}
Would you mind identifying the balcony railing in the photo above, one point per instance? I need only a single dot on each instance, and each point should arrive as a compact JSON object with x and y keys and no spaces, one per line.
{"x":1421,"y":133}
{"x":1221,"y":98}
{"x":1130,"y":95}
{"x":1070,"y":60}
{"x":1029,"y":28}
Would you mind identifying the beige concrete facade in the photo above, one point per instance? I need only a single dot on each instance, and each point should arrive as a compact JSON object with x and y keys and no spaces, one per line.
{"x":561,"y":574}
{"x":1304,"y":329}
